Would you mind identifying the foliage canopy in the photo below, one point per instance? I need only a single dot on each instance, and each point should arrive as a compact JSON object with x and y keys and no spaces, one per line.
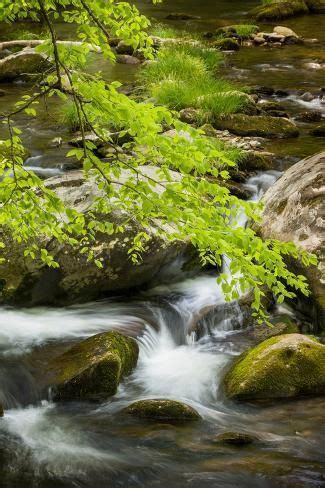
{"x":195,"y":204}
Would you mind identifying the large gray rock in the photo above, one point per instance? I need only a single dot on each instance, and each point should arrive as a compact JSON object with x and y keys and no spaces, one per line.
{"x":27,"y":61}
{"x":27,"y":281}
{"x":294,"y":211}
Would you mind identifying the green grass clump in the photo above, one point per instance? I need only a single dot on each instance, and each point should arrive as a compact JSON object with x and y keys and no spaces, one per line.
{"x":245,"y":30}
{"x":184,"y":76}
{"x":167,"y":32}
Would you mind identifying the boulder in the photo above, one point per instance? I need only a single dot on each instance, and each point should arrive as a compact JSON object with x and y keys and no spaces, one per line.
{"x":235,"y":438}
{"x":27,"y":281}
{"x":262,"y":126}
{"x":319,"y":131}
{"x":280,"y":10}
{"x":254,"y":161}
{"x":162,"y":410}
{"x":26,"y":61}
{"x":293,"y":211}
{"x":92,"y":369}
{"x":285,"y":366}
{"x":284,"y":31}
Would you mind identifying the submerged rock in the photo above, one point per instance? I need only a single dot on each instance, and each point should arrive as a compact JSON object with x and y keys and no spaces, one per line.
{"x":162,"y":410}
{"x":26,"y":61}
{"x":93,"y":368}
{"x":262,"y":126}
{"x":27,"y":281}
{"x":235,"y":438}
{"x":293,"y":211}
{"x":285,"y":366}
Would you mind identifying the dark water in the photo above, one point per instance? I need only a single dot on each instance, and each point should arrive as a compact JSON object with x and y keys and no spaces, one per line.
{"x":48,"y":445}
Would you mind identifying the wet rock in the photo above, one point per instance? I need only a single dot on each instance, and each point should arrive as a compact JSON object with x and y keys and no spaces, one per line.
{"x":30,"y":282}
{"x":127,"y":59}
{"x":92,"y":369}
{"x":181,"y":16}
{"x":319,"y":131}
{"x":307,"y":97}
{"x":1,"y":410}
{"x":123,"y":48}
{"x":293,"y":211}
{"x":286,"y":366}
{"x":235,"y":438}
{"x":227,"y":44}
{"x":26,"y":61}
{"x":2,"y":93}
{"x":309,"y":116}
{"x":281,"y":93}
{"x":162,"y":410}
{"x":261,"y":126}
{"x":263,"y":90}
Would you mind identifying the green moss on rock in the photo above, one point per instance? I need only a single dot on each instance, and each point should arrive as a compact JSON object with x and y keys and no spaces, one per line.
{"x":261,"y":126}
{"x":281,"y":10}
{"x":254,"y":161}
{"x":162,"y":410}
{"x":93,"y":368}
{"x":285,"y":366}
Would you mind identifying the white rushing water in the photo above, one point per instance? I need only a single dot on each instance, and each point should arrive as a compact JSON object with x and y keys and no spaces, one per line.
{"x":172,"y":364}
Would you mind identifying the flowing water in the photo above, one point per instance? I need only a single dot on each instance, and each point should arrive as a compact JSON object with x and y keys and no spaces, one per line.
{"x":184,"y":352}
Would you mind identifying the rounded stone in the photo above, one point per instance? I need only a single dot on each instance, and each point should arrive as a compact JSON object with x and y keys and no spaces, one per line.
{"x":162,"y":410}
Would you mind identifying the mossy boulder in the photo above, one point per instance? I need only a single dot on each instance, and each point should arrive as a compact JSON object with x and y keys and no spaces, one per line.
{"x":281,"y":10}
{"x":254,"y":125}
{"x":227,"y":44}
{"x":254,"y":161}
{"x":162,"y":410}
{"x":235,"y":438}
{"x":92,"y":369}
{"x":286,"y":366}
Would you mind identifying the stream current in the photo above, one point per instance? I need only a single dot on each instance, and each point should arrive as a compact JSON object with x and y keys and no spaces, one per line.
{"x":48,"y":445}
